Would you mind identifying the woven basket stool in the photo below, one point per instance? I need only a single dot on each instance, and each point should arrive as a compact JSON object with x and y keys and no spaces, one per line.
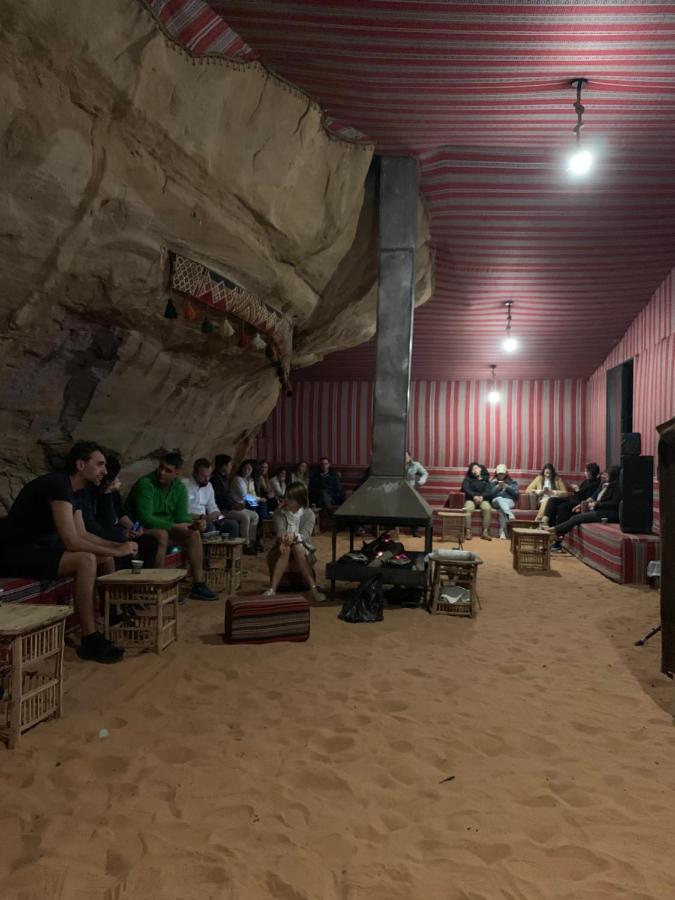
{"x":31,"y":666}
{"x":155,"y":625}
{"x":531,"y":550}
{"x":223,"y":564}
{"x":462,"y":573}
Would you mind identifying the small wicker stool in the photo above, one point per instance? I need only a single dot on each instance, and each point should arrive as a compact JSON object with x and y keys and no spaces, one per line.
{"x":531,"y":550}
{"x":156,"y":591}
{"x":31,"y":666}
{"x":460,"y":572}
{"x":453,"y":524}
{"x":521,"y":523}
{"x":223,"y":571}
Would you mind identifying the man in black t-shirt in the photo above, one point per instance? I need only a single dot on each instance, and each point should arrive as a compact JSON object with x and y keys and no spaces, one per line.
{"x":44,"y":537}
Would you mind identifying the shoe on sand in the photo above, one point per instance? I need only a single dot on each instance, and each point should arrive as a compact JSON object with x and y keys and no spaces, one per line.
{"x":317,"y":596}
{"x":99,"y":649}
{"x":485,"y":536}
{"x":201,"y":592}
{"x":502,"y":535}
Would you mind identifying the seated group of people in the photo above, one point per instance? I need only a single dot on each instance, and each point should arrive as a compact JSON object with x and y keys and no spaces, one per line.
{"x":75,"y":524}
{"x":560,"y":508}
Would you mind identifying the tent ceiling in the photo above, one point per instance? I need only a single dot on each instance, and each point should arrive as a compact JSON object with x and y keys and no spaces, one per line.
{"x":479,"y":92}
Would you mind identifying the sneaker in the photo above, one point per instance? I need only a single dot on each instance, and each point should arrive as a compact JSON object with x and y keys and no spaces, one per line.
{"x":556,"y":547}
{"x":317,"y":596}
{"x":485,"y":536}
{"x":99,"y":649}
{"x":201,"y":592}
{"x":502,"y":535}
{"x":270,"y":593}
{"x":510,"y":516}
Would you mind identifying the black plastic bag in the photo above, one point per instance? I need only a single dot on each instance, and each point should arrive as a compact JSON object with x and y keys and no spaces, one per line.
{"x":365,"y":604}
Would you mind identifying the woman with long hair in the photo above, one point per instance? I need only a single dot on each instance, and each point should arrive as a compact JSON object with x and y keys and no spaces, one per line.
{"x":547,"y":484}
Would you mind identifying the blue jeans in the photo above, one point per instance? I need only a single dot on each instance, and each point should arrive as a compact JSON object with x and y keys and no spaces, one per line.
{"x":504,"y":505}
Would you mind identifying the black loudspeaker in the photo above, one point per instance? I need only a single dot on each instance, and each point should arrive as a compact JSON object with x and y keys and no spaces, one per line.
{"x":631,"y":444}
{"x":637,"y":494}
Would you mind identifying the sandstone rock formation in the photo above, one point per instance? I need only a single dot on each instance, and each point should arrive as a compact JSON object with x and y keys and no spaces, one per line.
{"x":116,"y":147}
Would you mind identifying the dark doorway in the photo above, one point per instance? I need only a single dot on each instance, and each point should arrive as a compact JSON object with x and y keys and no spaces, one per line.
{"x":619,"y":408}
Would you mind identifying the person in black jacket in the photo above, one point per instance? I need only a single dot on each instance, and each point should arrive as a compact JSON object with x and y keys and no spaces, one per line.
{"x":559,"y":509}
{"x":604,"y":508}
{"x":478,"y":492}
{"x":104,"y":516}
{"x":325,"y":489}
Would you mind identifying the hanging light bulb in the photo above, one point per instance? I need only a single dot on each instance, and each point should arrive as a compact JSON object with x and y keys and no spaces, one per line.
{"x":493,"y":394}
{"x":510,"y":343}
{"x":581,"y":161}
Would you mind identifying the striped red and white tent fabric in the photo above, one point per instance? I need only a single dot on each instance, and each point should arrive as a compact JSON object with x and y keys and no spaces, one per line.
{"x":449,"y":424}
{"x":479,"y":92}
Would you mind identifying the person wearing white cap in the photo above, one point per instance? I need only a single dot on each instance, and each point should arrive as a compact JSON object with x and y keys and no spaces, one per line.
{"x":504,"y":496}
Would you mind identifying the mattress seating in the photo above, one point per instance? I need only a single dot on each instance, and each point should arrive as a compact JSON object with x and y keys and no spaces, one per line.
{"x":622,"y":557}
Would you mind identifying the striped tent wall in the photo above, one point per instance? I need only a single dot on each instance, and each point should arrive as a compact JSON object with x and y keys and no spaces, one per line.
{"x":650,"y":340}
{"x":450,"y":423}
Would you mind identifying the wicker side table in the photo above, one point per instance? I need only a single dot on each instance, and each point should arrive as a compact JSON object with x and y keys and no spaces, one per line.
{"x":453,"y":523}
{"x":226,"y":558}
{"x":460,"y":572}
{"x":531,"y":550}
{"x":521,"y":523}
{"x":155,"y":625}
{"x":31,"y":666}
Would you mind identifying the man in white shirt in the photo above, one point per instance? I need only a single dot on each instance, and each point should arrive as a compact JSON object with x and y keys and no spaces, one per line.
{"x":416,"y":475}
{"x":202,"y":501}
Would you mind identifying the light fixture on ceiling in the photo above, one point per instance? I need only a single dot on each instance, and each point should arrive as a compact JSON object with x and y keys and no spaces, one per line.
{"x":493,"y":394}
{"x":510,"y":343}
{"x":580,"y":162}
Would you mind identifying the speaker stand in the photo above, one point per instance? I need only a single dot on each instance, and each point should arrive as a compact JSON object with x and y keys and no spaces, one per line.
{"x":649,"y":635}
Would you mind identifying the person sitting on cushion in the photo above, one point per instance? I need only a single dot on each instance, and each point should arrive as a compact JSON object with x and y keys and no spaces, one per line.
{"x":604,"y":508}
{"x":45,"y":537}
{"x":280,"y":482}
{"x":247,"y":519}
{"x":202,"y":504}
{"x":244,"y":490}
{"x":160,"y":503}
{"x":559,"y":509}
{"x":104,"y":515}
{"x":504,"y":496}
{"x":293,"y":524}
{"x":478,"y":492}
{"x":546,"y":485}
{"x":301,"y":474}
{"x":325,"y":489}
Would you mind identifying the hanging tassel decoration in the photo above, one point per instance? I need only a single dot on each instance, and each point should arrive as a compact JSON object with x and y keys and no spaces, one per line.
{"x":189,"y":312}
{"x":170,"y":312}
{"x":207,"y":326}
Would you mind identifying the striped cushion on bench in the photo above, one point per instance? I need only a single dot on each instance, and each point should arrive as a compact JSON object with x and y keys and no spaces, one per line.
{"x":621,"y":557}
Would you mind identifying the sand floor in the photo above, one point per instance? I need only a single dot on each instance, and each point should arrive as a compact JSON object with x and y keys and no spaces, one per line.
{"x":318,"y":771}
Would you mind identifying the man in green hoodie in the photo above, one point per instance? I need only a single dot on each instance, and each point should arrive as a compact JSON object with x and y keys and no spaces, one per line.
{"x":160,"y":503}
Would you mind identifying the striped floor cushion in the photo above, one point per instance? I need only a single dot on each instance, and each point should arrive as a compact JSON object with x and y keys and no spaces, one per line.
{"x":621,"y":557}
{"x":260,"y":620}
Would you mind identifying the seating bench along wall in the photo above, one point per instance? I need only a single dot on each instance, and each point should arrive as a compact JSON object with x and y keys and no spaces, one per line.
{"x":621,"y":557}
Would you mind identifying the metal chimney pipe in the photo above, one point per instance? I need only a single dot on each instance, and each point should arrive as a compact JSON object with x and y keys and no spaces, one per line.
{"x":398,"y":192}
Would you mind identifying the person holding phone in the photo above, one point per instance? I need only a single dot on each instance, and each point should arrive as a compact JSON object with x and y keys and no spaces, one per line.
{"x":206,"y":515}
{"x":104,"y":515}
{"x":160,"y":502}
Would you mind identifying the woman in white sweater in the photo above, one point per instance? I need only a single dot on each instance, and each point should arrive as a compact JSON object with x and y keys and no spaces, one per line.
{"x":293,"y":550}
